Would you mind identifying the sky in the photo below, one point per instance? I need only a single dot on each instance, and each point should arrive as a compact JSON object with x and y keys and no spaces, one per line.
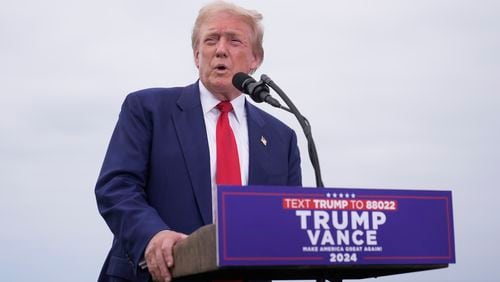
{"x":400,"y":94}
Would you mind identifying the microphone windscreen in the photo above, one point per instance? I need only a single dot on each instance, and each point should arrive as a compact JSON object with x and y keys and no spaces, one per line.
{"x":239,"y":80}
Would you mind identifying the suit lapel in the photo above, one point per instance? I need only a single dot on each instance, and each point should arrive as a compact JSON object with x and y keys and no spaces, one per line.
{"x":190,"y":128}
{"x":259,"y":154}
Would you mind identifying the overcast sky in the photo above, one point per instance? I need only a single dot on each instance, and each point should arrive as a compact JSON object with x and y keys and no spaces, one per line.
{"x":400,"y":94}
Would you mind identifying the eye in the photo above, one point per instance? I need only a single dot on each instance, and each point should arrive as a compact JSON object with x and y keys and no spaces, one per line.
{"x":211,"y":40}
{"x":236,"y":41}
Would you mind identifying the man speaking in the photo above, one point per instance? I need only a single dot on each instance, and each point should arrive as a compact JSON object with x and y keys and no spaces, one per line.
{"x":172,"y":146}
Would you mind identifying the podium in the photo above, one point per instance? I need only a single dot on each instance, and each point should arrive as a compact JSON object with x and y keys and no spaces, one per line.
{"x":246,"y":247}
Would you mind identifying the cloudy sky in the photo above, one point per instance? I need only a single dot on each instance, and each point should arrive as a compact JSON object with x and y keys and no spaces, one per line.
{"x":401,"y":94}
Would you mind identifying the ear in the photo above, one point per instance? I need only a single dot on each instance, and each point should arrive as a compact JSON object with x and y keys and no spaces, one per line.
{"x":254,"y":62}
{"x":196,"y":54}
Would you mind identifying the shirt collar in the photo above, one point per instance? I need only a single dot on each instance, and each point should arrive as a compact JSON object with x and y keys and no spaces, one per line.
{"x":209,"y":102}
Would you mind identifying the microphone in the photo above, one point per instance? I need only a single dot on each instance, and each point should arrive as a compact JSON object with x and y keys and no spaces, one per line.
{"x":258,"y":91}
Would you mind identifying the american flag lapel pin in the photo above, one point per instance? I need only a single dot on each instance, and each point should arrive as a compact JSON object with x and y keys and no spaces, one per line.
{"x":263,"y":140}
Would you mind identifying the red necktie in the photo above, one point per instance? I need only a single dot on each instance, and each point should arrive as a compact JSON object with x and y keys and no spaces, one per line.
{"x":228,"y":163}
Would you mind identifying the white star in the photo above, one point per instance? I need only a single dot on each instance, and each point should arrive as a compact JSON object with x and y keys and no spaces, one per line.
{"x":328,"y":195}
{"x":341,"y":195}
{"x":346,"y":195}
{"x":353,"y":195}
{"x":335,"y":195}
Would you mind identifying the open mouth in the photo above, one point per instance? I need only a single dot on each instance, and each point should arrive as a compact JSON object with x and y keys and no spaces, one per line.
{"x":221,"y":67}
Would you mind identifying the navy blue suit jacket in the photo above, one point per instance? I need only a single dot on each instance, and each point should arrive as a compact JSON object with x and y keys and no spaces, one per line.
{"x":156,"y":173}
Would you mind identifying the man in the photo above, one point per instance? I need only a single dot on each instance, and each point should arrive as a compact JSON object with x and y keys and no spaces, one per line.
{"x":165,"y":157}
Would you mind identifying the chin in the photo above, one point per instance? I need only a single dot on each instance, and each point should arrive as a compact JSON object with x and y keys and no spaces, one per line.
{"x":223,"y":88}
{"x":221,"y":83}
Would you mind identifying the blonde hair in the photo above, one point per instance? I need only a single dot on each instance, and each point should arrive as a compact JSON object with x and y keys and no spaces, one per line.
{"x":251,"y":17}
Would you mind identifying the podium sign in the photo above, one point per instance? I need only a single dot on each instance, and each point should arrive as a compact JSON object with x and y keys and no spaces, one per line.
{"x":272,"y":226}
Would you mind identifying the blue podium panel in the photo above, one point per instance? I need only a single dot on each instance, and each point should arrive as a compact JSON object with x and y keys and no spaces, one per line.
{"x":273,"y":226}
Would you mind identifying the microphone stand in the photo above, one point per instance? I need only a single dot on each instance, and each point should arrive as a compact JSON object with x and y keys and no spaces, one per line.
{"x":304,"y":123}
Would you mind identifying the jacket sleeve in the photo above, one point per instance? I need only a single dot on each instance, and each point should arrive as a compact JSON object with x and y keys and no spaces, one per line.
{"x":121,"y":186}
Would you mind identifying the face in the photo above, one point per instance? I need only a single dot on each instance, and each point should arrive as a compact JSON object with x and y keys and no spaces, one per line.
{"x":224,"y":49}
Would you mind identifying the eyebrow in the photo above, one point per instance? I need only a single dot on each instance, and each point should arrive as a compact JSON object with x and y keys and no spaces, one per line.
{"x":226,"y":33}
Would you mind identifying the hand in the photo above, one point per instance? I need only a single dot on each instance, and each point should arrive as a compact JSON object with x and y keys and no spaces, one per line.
{"x":159,"y":256}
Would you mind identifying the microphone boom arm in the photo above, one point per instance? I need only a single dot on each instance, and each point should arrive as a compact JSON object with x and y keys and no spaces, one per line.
{"x":304,"y":123}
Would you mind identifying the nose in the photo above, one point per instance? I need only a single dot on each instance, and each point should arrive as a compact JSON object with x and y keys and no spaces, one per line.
{"x":221,"y":51}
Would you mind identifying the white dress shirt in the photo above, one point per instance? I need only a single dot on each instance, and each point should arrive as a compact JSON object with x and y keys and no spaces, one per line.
{"x":238,"y":122}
